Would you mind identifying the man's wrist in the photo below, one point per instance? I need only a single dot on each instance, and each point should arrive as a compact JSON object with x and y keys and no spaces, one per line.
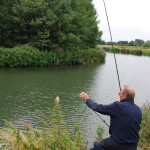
{"x":86,"y":99}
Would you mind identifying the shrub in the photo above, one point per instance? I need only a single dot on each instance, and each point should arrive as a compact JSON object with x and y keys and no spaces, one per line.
{"x":49,"y":24}
{"x":116,"y":50}
{"x":52,"y":137}
{"x":123,"y":51}
{"x":146,"y":53}
{"x":138,"y":52}
{"x":128,"y":51}
{"x":106,"y":49}
{"x":110,"y":49}
{"x":146,"y":44}
{"x":144,"y":142}
{"x":27,"y":56}
{"x":100,"y":131}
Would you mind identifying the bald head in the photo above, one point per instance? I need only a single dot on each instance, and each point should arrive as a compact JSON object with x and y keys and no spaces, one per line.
{"x":129,"y":91}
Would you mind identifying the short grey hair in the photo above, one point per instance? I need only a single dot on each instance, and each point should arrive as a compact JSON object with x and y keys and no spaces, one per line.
{"x":129,"y":91}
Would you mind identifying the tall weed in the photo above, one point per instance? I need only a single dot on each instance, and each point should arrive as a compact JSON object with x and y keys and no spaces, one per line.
{"x":53,"y":136}
{"x":144,"y":142}
{"x":127,"y":50}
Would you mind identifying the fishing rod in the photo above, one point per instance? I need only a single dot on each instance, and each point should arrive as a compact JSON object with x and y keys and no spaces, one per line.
{"x":112,"y":44}
{"x":99,"y":117}
{"x":114,"y":58}
{"x":102,"y":119}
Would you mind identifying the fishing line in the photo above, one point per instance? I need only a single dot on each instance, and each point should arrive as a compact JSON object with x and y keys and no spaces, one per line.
{"x":112,"y":44}
{"x":102,"y":119}
{"x":114,"y":58}
{"x":99,"y":117}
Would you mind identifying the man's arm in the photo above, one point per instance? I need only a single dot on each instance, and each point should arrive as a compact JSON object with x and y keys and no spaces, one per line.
{"x":103,"y":109}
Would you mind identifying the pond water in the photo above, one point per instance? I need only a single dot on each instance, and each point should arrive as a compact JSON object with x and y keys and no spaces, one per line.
{"x":24,"y":91}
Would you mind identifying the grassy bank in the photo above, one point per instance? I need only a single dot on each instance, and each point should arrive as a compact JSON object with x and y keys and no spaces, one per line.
{"x":144,"y":142}
{"x":54,"y":135}
{"x":134,"y":50}
{"x":27,"y":56}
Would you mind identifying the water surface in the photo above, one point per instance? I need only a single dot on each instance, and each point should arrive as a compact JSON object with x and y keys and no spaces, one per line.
{"x":26,"y":90}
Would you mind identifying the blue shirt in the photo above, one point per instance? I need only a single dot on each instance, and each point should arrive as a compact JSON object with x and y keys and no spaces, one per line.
{"x":125,"y":119}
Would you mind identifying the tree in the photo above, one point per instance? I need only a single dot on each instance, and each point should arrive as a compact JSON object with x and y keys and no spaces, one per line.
{"x":146,"y":44}
{"x":62,"y":32}
{"x":102,"y":42}
{"x":49,"y":24}
{"x":6,"y":23}
{"x":139,"y":42}
{"x":131,"y":43}
{"x":122,"y":43}
{"x":33,"y":21}
{"x":109,"y":43}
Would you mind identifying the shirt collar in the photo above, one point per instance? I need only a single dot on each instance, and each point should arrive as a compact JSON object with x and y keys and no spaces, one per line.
{"x":131,"y":100}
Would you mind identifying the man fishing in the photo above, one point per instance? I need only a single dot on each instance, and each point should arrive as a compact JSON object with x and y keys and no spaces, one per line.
{"x":125,"y":119}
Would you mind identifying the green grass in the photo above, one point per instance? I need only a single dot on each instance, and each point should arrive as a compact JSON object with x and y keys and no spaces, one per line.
{"x":144,"y":142}
{"x":134,"y":50}
{"x":53,"y":135}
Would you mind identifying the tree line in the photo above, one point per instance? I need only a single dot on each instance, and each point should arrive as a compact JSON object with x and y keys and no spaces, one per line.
{"x":136,"y":42}
{"x":49,"y":24}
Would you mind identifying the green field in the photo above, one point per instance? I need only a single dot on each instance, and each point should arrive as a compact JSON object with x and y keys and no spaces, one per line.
{"x":134,"y":50}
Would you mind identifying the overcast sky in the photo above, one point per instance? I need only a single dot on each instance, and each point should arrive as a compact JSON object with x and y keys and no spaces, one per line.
{"x":129,"y":19}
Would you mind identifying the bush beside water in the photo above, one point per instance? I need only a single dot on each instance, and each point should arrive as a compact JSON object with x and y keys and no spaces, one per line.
{"x":27,"y":56}
{"x":53,"y":135}
{"x":128,"y":50}
{"x":144,"y":142}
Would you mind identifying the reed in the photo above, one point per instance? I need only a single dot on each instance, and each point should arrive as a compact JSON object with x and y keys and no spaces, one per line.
{"x":133,"y":50}
{"x":53,"y":135}
{"x":144,"y":142}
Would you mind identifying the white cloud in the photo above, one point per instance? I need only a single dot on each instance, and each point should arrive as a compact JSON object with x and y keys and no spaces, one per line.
{"x":129,"y":19}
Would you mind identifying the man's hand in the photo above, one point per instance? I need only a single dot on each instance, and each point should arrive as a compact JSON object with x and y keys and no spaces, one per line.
{"x":84,"y":96}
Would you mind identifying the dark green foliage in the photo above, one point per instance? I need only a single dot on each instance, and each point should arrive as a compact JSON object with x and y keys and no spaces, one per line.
{"x":128,"y":51}
{"x":101,"y":42}
{"x":109,"y":43}
{"x":123,"y":51}
{"x":125,"y":43}
{"x":116,"y":50}
{"x":6,"y":23}
{"x":131,"y":43}
{"x":133,"y":52}
{"x":138,"y":52}
{"x":109,"y":49}
{"x":49,"y":24}
{"x":106,"y":49}
{"x":27,"y":56}
{"x":22,"y":56}
{"x":146,"y":44}
{"x":139,"y":42}
{"x":144,"y":133}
